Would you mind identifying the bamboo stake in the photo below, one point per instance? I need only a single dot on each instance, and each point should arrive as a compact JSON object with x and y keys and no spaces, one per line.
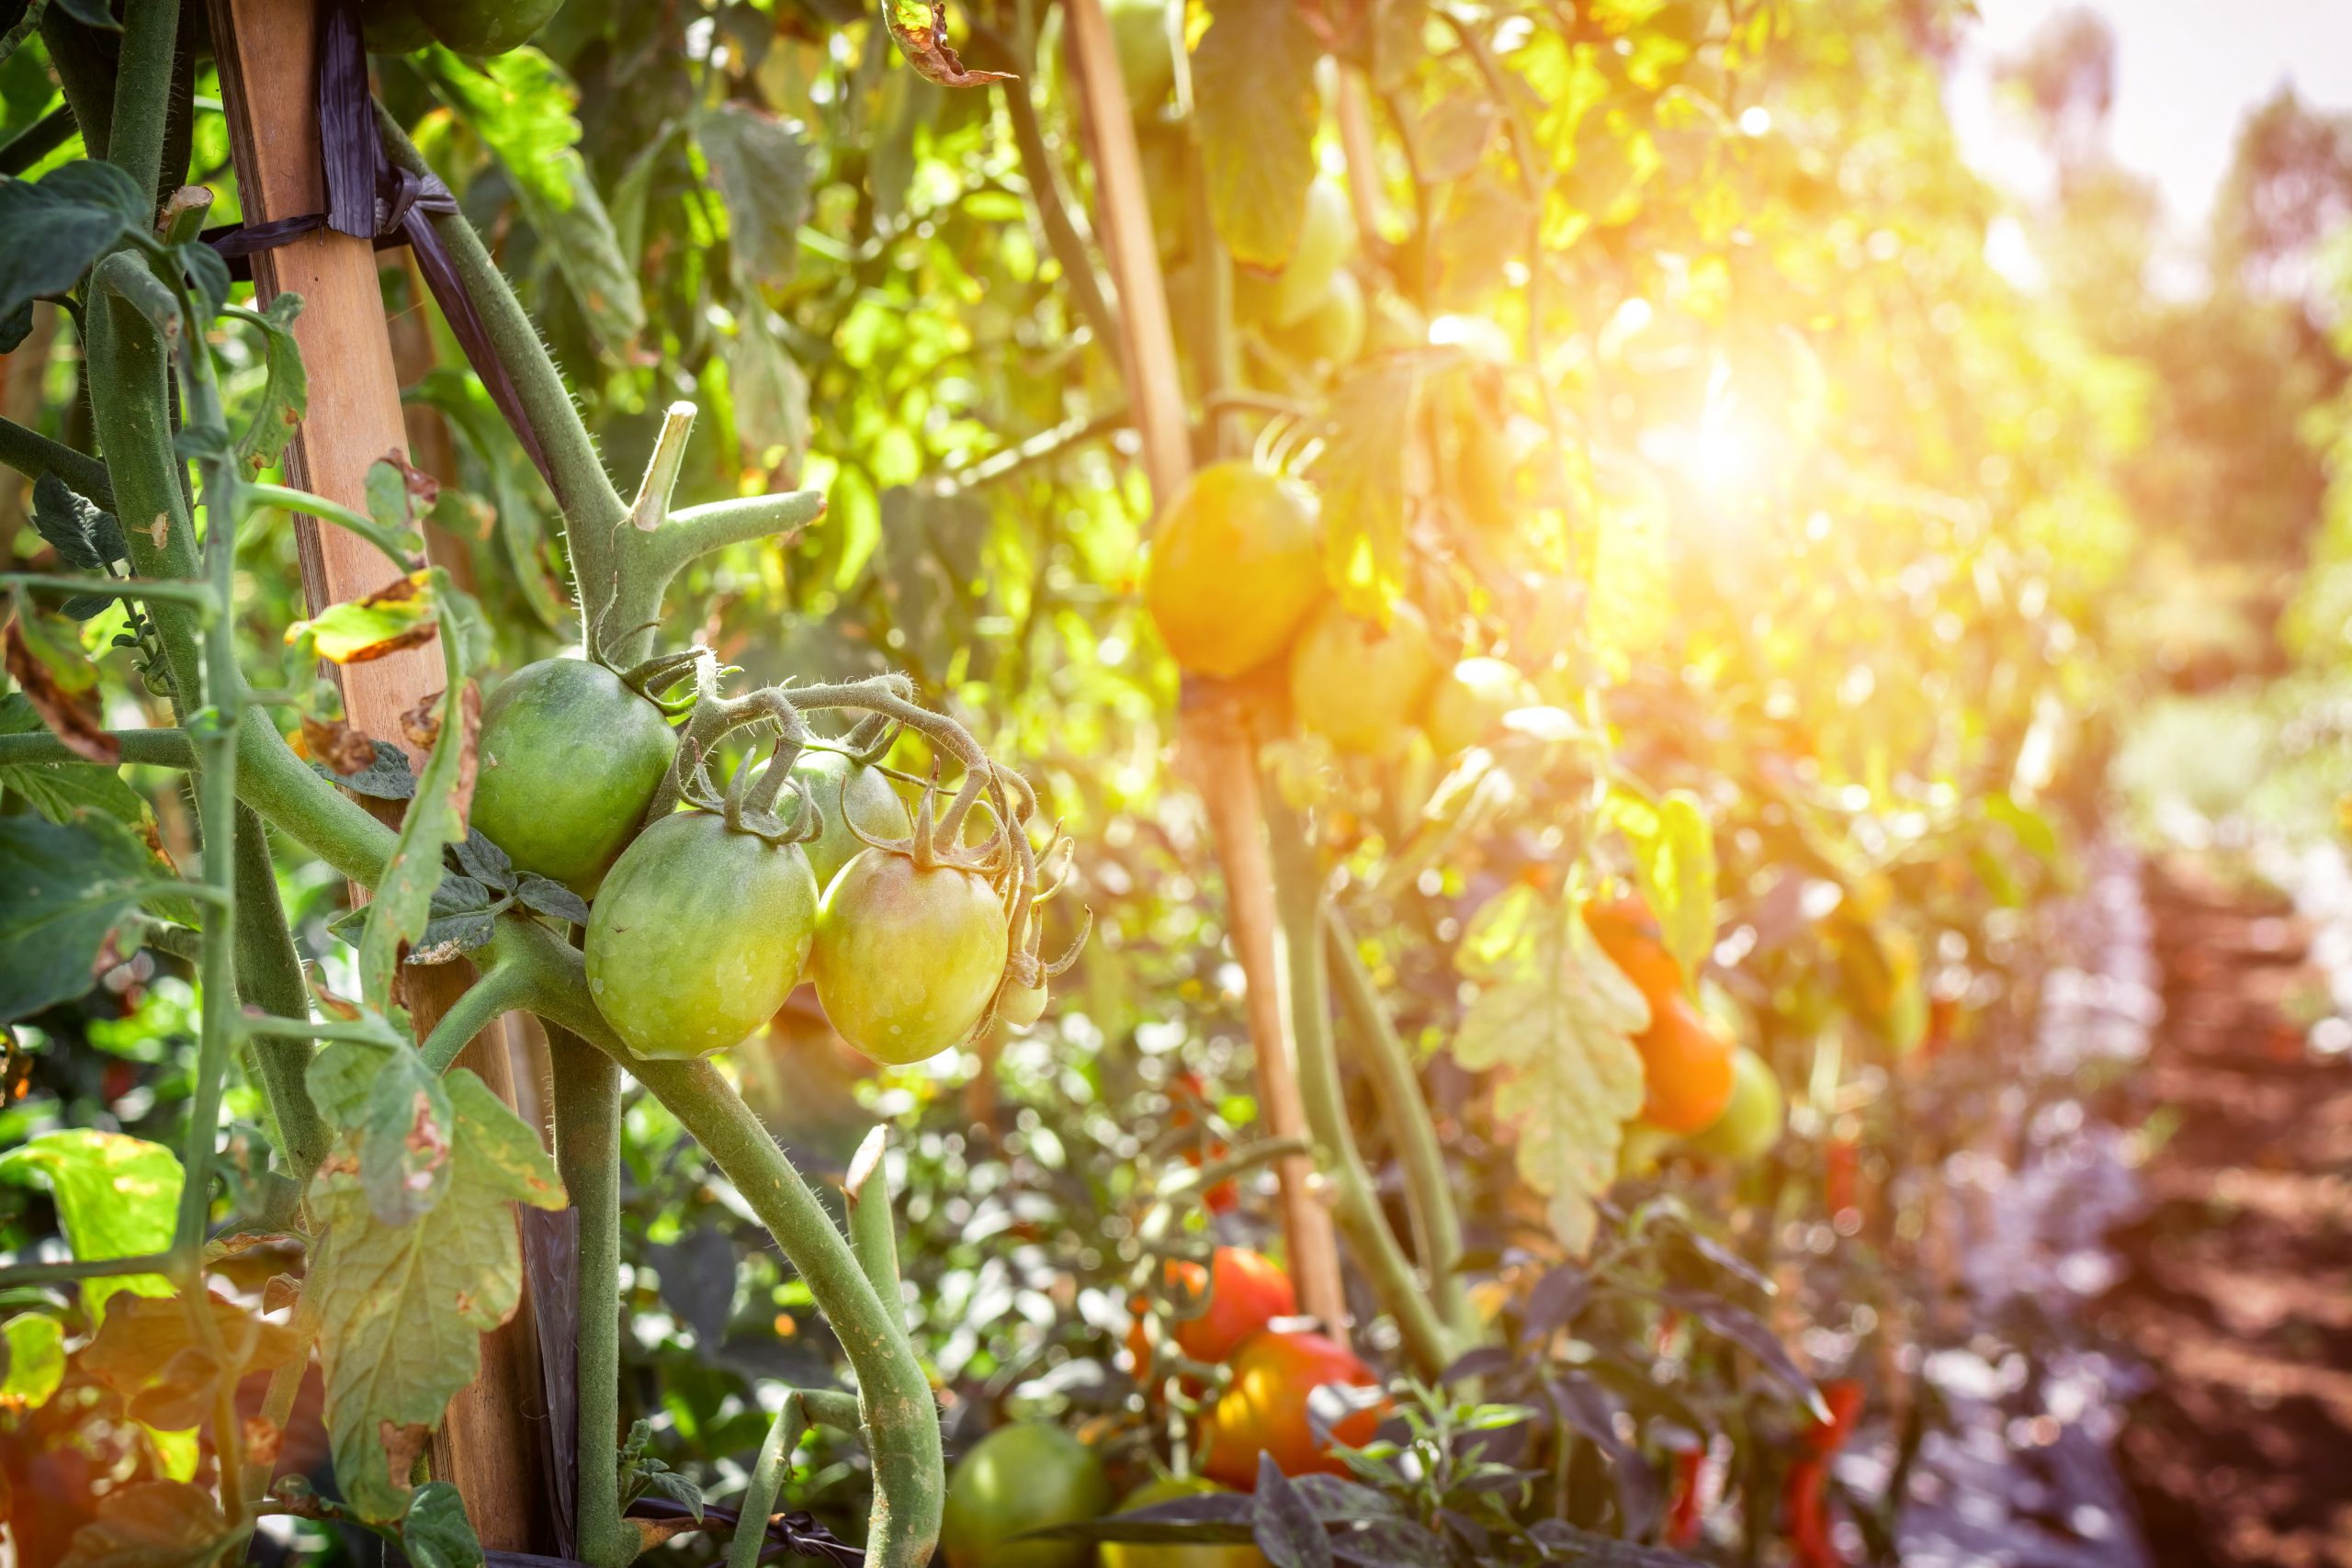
{"x":269,"y":60}
{"x":1218,"y":739}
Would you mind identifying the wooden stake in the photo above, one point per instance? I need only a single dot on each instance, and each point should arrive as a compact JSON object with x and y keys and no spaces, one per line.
{"x":1217,"y":741}
{"x":269,"y":60}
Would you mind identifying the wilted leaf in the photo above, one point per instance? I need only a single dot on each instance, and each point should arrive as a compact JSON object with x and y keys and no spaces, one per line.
{"x":399,"y":614}
{"x":920,"y":26}
{"x":403,"y":1307}
{"x":61,"y":682}
{"x":67,"y":892}
{"x":155,"y":1524}
{"x":1554,"y":1022}
{"x":286,"y":388}
{"x":34,"y":1345}
{"x":61,"y":790}
{"x":386,"y":778}
{"x":1257,"y":108}
{"x":147,"y":1351}
{"x":435,"y":818}
{"x":117,"y":1197}
{"x":335,"y":744}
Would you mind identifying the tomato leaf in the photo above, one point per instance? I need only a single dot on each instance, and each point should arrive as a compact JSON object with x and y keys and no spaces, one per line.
{"x":759,"y":164}
{"x":1362,"y":473}
{"x":436,"y":818}
{"x":34,"y":1345}
{"x":84,"y":535}
{"x":484,"y":862}
{"x":45,"y":659}
{"x":387,"y":778}
{"x":286,"y":386}
{"x":436,"y":1533}
{"x":552,"y":898}
{"x":1674,"y":860}
{"x":115,"y":1197}
{"x":147,"y":1351}
{"x":1554,"y":1022}
{"x":54,"y":229}
{"x":1253,"y":91}
{"x":71,"y":889}
{"x":156,"y":1524}
{"x":404,"y":1139}
{"x":401,"y":614}
{"x":920,"y":29}
{"x":403,"y":1307}
{"x":61,"y":790}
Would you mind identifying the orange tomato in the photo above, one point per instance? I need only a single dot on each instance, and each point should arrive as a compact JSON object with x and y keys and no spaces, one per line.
{"x":1236,"y":563}
{"x":1687,"y":1063}
{"x":1264,"y":1409}
{"x":1629,"y":934}
{"x":1246,"y":1290}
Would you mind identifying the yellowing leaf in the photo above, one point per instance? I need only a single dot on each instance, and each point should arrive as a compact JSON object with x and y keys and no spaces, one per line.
{"x":1555,"y":1024}
{"x":115,"y":1196}
{"x":1674,"y":860}
{"x":158,"y":1524}
{"x":147,"y":1351}
{"x":1253,"y":88}
{"x":399,"y":614}
{"x":35,"y":1351}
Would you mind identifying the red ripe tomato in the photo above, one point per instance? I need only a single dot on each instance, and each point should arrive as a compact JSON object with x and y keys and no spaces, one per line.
{"x":1264,"y":1409}
{"x":1246,"y":1290}
{"x":1687,"y":1066}
{"x":1190,"y":1097}
{"x":1629,"y":933}
{"x":1236,"y":562}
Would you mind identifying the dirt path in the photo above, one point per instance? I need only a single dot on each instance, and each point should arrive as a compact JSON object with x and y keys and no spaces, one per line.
{"x":2237,"y":1291}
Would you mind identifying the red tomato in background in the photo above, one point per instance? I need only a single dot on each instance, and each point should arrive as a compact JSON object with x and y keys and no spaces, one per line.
{"x":1264,"y":1409}
{"x":1246,"y":1290}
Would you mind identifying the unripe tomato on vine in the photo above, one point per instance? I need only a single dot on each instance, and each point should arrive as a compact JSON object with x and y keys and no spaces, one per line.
{"x":838,"y":783}
{"x":1750,"y":1122}
{"x":1359,"y":686}
{"x":570,"y":760}
{"x":1236,"y":563}
{"x":1469,"y":702}
{"x":1024,"y":1477}
{"x":698,"y":935}
{"x":1264,"y":1409}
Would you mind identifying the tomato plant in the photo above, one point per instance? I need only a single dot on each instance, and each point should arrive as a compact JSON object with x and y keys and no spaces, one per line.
{"x":570,"y":760}
{"x":1019,"y":1478}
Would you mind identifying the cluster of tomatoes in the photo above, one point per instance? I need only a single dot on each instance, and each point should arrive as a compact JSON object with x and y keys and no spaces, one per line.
{"x":1235,"y":582}
{"x":1032,"y":1476}
{"x":699,"y":930}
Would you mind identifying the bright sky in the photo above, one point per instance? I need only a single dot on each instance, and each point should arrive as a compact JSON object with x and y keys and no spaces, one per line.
{"x":2188,"y":70}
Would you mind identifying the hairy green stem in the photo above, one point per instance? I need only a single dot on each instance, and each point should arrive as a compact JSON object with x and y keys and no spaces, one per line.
{"x":483,"y":1003}
{"x":402,"y":553}
{"x":17,"y":1274}
{"x":767,"y":1476}
{"x":154,"y":748}
{"x":1298,"y":900}
{"x":142,"y":99}
{"x":587,"y":1154}
{"x":1428,"y":1192}
{"x":85,"y":69}
{"x":873,"y":1227}
{"x":992,"y":50}
{"x":269,"y":974}
{"x":32,"y":455}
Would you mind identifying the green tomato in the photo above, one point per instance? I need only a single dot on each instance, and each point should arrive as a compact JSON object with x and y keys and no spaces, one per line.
{"x":392,"y":26}
{"x":1750,"y":1123}
{"x":486,"y":27}
{"x":833,"y":782}
{"x":1327,"y":236}
{"x":699,"y":935}
{"x":1173,"y":1554}
{"x":1332,"y":332}
{"x":1359,"y":686}
{"x":1471,"y":700}
{"x":908,"y":956}
{"x":571,"y":760}
{"x":1020,"y":1006}
{"x":1019,"y":1478}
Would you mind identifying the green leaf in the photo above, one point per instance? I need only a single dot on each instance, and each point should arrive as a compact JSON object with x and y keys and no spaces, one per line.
{"x":1253,"y":90}
{"x":34,"y":1343}
{"x":61,"y":791}
{"x":1674,"y":860}
{"x":157,"y":1524}
{"x":85,"y":536}
{"x":771,"y":396}
{"x":67,"y":893}
{"x":1362,"y":475}
{"x":286,"y":386}
{"x":521,"y":106}
{"x":435,"y":818}
{"x":386,"y":778}
{"x":1555,"y":1024}
{"x":117,"y":1197}
{"x":538,"y":893}
{"x":54,"y":229}
{"x":436,"y":1533}
{"x":404,"y":1140}
{"x":759,"y":164}
{"x":402,"y":1308}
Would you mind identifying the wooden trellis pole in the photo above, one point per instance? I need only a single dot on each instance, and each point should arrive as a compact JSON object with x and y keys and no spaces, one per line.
{"x":268,"y":59}
{"x":1220,"y":747}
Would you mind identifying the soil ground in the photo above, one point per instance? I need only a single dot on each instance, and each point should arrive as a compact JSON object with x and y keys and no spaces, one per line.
{"x":2237,"y":1289}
